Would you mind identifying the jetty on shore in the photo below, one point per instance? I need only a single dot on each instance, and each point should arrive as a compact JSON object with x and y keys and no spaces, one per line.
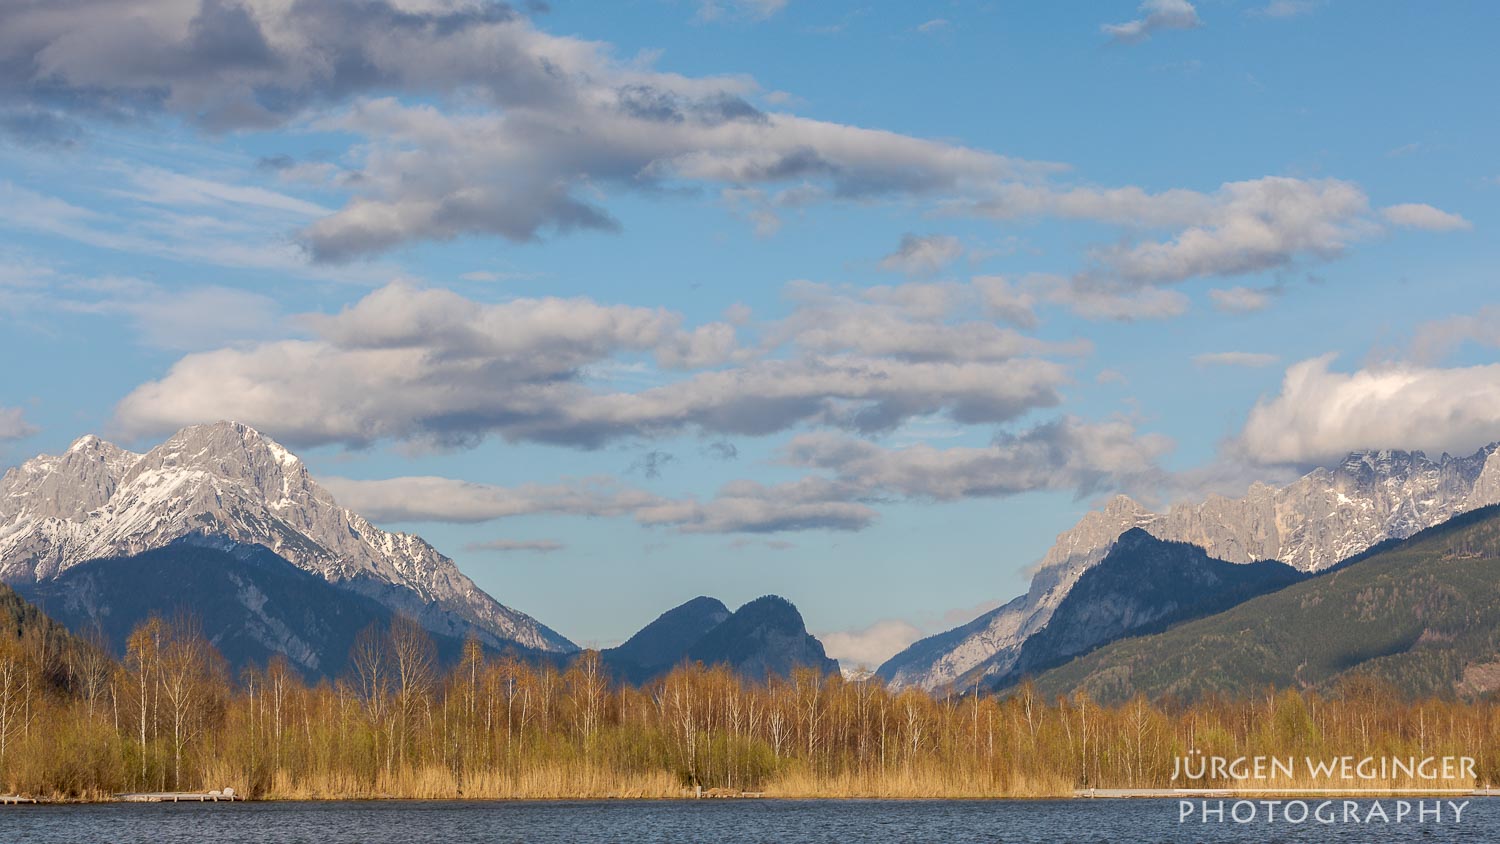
{"x":227,"y":795}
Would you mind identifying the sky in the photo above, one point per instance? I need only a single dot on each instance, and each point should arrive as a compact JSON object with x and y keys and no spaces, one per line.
{"x":857,"y":303}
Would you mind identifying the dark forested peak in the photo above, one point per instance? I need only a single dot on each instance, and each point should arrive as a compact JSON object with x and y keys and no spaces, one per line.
{"x":765,"y":636}
{"x":664,"y":642}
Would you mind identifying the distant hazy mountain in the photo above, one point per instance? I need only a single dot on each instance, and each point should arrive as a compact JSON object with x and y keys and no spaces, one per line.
{"x":1423,"y":615}
{"x":250,"y":603}
{"x":764,"y":637}
{"x":232,"y":485}
{"x":662,"y":644}
{"x":1312,"y":523}
{"x":1141,"y":586}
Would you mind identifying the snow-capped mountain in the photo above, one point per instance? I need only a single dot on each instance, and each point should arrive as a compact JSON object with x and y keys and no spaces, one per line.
{"x":1323,"y":517}
{"x":227,"y":483}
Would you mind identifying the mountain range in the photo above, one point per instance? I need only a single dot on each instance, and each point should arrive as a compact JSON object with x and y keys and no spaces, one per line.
{"x":1421,"y":615}
{"x":224,"y":524}
{"x":1312,"y":523}
{"x":248,"y":602}
{"x":230,"y":485}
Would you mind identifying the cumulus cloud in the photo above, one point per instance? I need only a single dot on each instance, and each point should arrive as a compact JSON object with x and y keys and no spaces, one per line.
{"x":436,"y":499}
{"x":738,"y":507}
{"x":1245,"y":359}
{"x":871,"y":646}
{"x":1242,"y":227}
{"x":751,"y":507}
{"x":1321,"y":414}
{"x":923,"y":255}
{"x":468,"y":120}
{"x":1434,"y":340}
{"x":13,"y":424}
{"x":1240,"y":300}
{"x":406,"y":363}
{"x":519,"y":133}
{"x":1415,"y":215}
{"x":1156,"y":15}
{"x":1096,"y":301}
{"x":912,"y":322}
{"x":431,"y":174}
{"x":1067,"y":454}
{"x":1007,"y":301}
{"x":1249,"y":227}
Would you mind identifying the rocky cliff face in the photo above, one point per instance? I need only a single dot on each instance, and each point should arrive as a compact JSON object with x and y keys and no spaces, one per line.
{"x":1142,"y":585}
{"x":228,"y":484}
{"x":1310,"y":524}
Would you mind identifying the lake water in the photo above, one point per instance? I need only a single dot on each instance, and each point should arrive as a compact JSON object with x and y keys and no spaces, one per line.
{"x":717,"y":821}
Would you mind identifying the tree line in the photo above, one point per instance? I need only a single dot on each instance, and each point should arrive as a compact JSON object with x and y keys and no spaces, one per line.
{"x":77,"y":723}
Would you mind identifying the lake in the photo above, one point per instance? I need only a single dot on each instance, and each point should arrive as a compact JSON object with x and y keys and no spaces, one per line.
{"x":398,"y":822}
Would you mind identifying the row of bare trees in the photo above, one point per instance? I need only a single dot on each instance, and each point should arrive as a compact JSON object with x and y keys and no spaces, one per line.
{"x":168,"y":716}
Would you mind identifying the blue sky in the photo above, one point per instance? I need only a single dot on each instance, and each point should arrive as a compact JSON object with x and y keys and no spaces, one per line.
{"x":861,"y":304}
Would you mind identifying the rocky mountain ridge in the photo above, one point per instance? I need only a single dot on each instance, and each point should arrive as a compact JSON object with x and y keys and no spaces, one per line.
{"x":1326,"y":515}
{"x":226,"y":484}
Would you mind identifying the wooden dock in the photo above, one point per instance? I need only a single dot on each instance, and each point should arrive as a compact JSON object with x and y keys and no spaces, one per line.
{"x":227,"y":795}
{"x":15,"y":799}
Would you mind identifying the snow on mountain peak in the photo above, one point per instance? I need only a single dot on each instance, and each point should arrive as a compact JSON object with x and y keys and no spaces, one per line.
{"x":230,"y":481}
{"x":1323,"y":517}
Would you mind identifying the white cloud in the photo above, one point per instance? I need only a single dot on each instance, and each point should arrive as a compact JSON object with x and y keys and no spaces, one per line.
{"x":1240,"y":300}
{"x":1434,"y":340}
{"x":870,"y":646}
{"x":738,"y":507}
{"x":1249,"y":227}
{"x":751,"y":507}
{"x":1320,"y":415}
{"x":1242,"y":227}
{"x":1105,"y":300}
{"x":405,"y":363}
{"x":923,"y":255}
{"x":465,"y":120}
{"x":435,"y":499}
{"x":1245,"y":359}
{"x":933,"y":26}
{"x":1006,"y":301}
{"x":519,"y":133}
{"x":1415,"y":215}
{"x":1156,"y":15}
{"x":430,"y":174}
{"x":1067,"y":454}
{"x":164,"y":187}
{"x":13,"y":424}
